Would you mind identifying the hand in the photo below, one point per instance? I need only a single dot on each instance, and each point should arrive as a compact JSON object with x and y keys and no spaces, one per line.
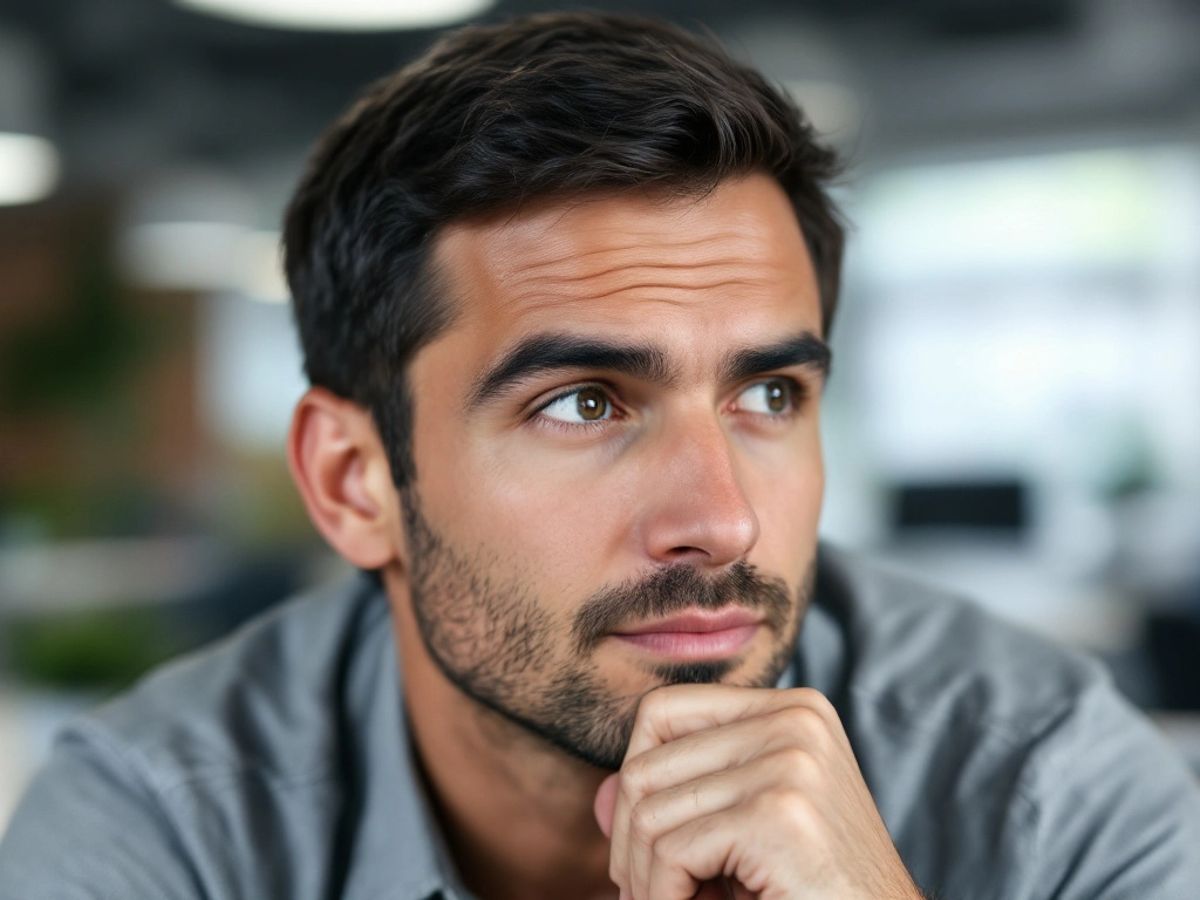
{"x":756,"y":786}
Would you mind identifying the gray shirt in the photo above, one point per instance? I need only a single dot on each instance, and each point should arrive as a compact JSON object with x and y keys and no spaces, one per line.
{"x":276,"y":764}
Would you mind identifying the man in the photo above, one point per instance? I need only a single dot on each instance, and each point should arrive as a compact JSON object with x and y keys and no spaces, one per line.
{"x":563,"y":287}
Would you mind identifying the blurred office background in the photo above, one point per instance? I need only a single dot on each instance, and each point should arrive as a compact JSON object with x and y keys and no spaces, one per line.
{"x":1015,"y":408}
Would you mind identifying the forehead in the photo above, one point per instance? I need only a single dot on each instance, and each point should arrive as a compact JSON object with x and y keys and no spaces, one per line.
{"x":728,"y":262}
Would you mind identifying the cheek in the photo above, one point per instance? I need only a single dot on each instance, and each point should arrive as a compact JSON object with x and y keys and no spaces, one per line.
{"x":556,"y":518}
{"x":787,"y":499}
{"x":572,"y":518}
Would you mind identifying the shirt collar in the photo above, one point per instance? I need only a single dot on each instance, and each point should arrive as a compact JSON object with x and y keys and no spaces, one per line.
{"x":821,"y":650}
{"x":399,"y":852}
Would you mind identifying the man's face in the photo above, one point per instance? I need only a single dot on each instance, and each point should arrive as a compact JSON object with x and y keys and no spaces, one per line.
{"x":618,"y":462}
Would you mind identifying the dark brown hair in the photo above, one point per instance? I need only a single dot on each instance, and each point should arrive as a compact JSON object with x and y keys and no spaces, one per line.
{"x":558,"y":104}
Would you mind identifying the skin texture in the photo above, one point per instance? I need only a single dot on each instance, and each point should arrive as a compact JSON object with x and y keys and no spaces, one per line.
{"x":527,"y":522}
{"x":498,"y":644}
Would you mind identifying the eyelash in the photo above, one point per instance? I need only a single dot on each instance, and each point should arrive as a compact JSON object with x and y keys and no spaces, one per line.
{"x":799,"y":396}
{"x":799,"y":393}
{"x":798,"y":389}
{"x":576,"y":428}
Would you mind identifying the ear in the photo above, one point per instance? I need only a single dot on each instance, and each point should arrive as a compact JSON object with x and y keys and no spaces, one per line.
{"x":341,"y":469}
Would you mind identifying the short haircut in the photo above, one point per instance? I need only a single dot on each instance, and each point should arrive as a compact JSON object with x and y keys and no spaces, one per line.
{"x":544,"y":106}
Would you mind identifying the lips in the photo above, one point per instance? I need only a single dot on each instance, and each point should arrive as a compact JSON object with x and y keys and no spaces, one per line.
{"x":697,"y":622}
{"x":694,"y":635}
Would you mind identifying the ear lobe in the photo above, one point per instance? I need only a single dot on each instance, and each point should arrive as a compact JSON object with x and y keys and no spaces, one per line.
{"x":340,"y":468}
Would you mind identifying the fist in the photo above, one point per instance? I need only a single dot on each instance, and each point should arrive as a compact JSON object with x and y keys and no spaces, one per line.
{"x":745,"y":793}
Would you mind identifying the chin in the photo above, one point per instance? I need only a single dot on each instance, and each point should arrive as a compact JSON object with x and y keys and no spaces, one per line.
{"x":695,"y":672}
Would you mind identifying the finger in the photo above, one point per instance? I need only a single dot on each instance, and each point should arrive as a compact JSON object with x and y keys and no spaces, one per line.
{"x":669,"y":713}
{"x":702,"y":753}
{"x":696,"y":853}
{"x":676,"y":763}
{"x":604,"y":804}
{"x":665,"y":811}
{"x":729,"y":846}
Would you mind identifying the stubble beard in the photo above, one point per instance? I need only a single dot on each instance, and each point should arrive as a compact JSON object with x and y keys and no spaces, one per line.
{"x":499,"y":647}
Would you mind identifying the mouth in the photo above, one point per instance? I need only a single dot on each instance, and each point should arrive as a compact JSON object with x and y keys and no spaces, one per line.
{"x":694,"y":635}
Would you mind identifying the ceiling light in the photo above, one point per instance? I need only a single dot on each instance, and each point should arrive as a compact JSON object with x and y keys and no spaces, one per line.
{"x":260,"y":268}
{"x":28,"y":168}
{"x":195,"y":256}
{"x":211,"y":257}
{"x":342,"y":15}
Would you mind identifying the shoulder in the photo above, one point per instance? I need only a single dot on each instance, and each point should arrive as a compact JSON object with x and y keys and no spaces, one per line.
{"x":267,"y":697}
{"x":928,"y":658}
{"x":996,"y":754}
{"x":174,"y":788}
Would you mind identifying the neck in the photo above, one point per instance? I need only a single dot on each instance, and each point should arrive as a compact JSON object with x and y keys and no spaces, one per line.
{"x":516,"y":811}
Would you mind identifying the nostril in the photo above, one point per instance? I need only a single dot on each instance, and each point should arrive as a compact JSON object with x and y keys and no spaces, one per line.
{"x":685,"y":552}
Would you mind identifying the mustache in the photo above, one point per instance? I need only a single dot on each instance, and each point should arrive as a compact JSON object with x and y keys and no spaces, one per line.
{"x":678,"y":588}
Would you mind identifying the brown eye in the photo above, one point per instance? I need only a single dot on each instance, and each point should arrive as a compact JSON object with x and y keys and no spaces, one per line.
{"x":770,"y":398}
{"x":587,"y":404}
{"x":591,"y":403}
{"x":777,"y":396}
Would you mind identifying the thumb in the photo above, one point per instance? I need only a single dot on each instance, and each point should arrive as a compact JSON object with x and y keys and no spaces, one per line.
{"x":605,"y":803}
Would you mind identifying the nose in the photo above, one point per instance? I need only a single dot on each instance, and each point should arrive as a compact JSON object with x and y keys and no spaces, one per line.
{"x":697,"y":509}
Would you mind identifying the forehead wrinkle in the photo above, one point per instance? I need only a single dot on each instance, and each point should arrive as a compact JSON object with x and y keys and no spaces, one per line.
{"x":572,"y":254}
{"x":658,"y":286}
{"x":626,"y":267}
{"x":629,"y":255}
{"x":679,"y":285}
{"x":563,"y":259}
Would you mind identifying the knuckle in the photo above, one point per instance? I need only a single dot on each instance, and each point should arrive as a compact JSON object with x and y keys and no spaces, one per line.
{"x":635,"y":779}
{"x":795,"y":765}
{"x":643,"y":823}
{"x":651,"y":705}
{"x":800,"y":720}
{"x":817,"y":701}
{"x":670,"y":847}
{"x":788,"y":806}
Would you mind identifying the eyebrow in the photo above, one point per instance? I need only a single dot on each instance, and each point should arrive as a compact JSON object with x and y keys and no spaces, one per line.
{"x":546,"y":352}
{"x":802,"y":349}
{"x":645,"y":362}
